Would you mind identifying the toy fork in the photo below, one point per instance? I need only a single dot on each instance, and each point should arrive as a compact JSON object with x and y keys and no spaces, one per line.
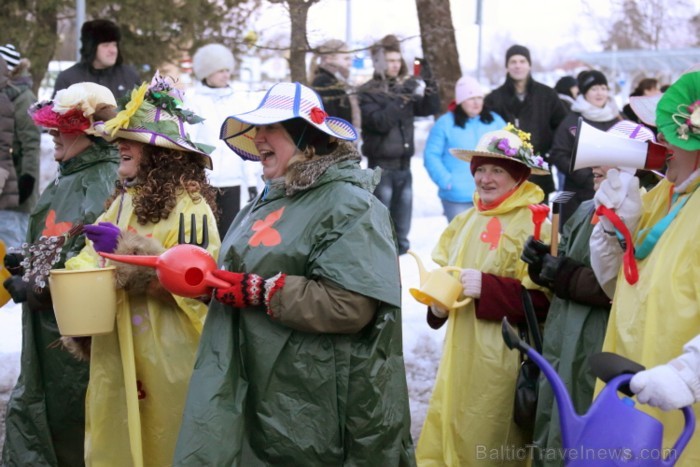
{"x":193,"y":231}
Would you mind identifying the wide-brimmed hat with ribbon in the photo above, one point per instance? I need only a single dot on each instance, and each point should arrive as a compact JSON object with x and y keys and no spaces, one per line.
{"x":74,"y":109}
{"x":645,"y":108}
{"x":283,"y":101}
{"x":678,"y":112}
{"x":154,"y":114}
{"x":509,"y":143}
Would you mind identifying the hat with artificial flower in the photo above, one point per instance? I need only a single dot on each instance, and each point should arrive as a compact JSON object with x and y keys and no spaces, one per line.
{"x":283,"y":101}
{"x":678,"y":112}
{"x":74,"y":109}
{"x":509,"y":143}
{"x":154,"y":114}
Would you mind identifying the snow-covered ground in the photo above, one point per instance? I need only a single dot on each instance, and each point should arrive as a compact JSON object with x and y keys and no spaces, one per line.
{"x":422,"y":345}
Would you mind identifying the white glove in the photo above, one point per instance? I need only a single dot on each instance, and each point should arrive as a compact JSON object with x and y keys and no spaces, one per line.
{"x":471,"y":281}
{"x":420,"y":89}
{"x":670,"y":386}
{"x":438,"y":311}
{"x":620,"y":192}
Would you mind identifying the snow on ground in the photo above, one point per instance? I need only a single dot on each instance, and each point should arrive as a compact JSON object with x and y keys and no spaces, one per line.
{"x":422,"y":345}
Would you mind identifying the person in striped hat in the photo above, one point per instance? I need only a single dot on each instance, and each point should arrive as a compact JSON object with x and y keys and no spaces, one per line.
{"x":22,"y":141}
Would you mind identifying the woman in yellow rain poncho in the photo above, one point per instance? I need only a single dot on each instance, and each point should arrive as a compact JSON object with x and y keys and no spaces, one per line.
{"x":652,"y":319}
{"x":139,"y":373}
{"x":470,"y":418}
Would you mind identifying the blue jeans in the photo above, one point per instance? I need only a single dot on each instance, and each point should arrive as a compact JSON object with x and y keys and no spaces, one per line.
{"x":13,"y":228}
{"x":451,"y":209}
{"x":395,"y":191}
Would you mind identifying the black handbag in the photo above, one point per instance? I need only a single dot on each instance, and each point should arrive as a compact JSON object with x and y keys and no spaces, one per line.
{"x":525,"y":404}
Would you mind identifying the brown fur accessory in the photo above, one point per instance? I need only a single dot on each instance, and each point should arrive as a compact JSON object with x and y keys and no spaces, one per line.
{"x":304,"y":170}
{"x":132,"y":278}
{"x":79,"y":347}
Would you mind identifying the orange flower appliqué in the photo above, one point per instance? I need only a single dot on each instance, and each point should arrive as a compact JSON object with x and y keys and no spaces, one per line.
{"x":492,"y":234}
{"x":54,"y":229}
{"x":317,"y":115}
{"x":264,"y":233}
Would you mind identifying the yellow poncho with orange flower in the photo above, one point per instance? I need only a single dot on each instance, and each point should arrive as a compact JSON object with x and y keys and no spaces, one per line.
{"x":470,"y":418}
{"x":140,"y":372}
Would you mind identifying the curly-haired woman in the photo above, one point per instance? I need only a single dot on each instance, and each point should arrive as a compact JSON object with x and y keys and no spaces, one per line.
{"x":139,"y":372}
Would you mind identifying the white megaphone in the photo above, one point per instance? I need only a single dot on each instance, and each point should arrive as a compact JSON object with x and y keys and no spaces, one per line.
{"x":594,"y":147}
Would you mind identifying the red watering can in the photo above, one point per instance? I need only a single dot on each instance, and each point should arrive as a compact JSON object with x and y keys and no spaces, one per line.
{"x":185,"y":269}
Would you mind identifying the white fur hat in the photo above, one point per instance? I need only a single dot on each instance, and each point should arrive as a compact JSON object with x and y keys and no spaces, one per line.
{"x":211,"y":58}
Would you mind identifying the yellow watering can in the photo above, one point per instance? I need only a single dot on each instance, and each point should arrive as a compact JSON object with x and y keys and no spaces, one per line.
{"x":4,"y":274}
{"x":438,"y":286}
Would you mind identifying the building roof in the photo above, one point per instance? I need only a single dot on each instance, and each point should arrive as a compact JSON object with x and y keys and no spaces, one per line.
{"x":672,"y":62}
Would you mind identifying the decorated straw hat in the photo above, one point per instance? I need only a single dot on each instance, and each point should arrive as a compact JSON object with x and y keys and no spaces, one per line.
{"x":678,"y":112}
{"x":283,"y":101}
{"x":74,"y":109}
{"x":154,"y":114}
{"x":509,"y":143}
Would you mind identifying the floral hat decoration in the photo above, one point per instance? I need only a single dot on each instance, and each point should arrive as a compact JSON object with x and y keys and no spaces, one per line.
{"x":509,"y":143}
{"x":74,"y":109}
{"x":678,"y":112}
{"x":154,"y":114}
{"x":283,"y":101}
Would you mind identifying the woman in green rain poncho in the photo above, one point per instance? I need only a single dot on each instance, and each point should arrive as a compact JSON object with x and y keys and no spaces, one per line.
{"x":470,"y":417}
{"x":45,"y":415}
{"x":300,"y":360}
{"x":578,"y":316}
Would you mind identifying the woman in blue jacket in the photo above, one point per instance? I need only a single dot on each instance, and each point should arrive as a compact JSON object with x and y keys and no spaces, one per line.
{"x":461,"y":128}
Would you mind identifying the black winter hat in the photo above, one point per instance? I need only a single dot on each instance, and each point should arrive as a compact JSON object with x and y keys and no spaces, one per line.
{"x":518,"y":50}
{"x":565,"y":84}
{"x":589,"y":78}
{"x":94,"y":33}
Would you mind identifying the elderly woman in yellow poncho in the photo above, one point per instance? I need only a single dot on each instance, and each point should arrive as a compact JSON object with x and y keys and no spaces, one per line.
{"x":139,"y":373}
{"x":652,"y":318}
{"x":470,"y":418}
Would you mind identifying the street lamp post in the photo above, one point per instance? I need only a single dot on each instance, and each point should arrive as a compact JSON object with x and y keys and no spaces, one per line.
{"x":478,"y":52}
{"x":79,"y":20}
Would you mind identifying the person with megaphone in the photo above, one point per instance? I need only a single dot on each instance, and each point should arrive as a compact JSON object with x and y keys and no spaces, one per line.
{"x":653,"y":317}
{"x":595,"y":105}
{"x":578,"y":315}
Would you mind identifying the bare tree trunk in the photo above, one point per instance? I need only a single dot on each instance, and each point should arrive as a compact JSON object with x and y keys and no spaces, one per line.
{"x":439,"y":45}
{"x":299,"y":46}
{"x":42,"y":44}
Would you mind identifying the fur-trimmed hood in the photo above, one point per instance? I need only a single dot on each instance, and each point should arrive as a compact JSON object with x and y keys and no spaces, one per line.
{"x":304,"y":174}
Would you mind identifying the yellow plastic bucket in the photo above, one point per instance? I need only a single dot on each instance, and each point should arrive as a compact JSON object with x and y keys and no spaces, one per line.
{"x":84,"y":301}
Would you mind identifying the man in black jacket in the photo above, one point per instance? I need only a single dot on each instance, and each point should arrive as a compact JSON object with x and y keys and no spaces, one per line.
{"x":388,"y":103}
{"x":100,"y":60}
{"x":529,"y":105}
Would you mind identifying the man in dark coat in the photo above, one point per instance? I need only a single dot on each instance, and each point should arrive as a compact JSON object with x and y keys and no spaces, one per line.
{"x":389,"y":102}
{"x":529,"y":105}
{"x":100,"y":60}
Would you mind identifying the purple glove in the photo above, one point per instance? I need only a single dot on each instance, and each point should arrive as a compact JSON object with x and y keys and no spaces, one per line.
{"x":103,"y":236}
